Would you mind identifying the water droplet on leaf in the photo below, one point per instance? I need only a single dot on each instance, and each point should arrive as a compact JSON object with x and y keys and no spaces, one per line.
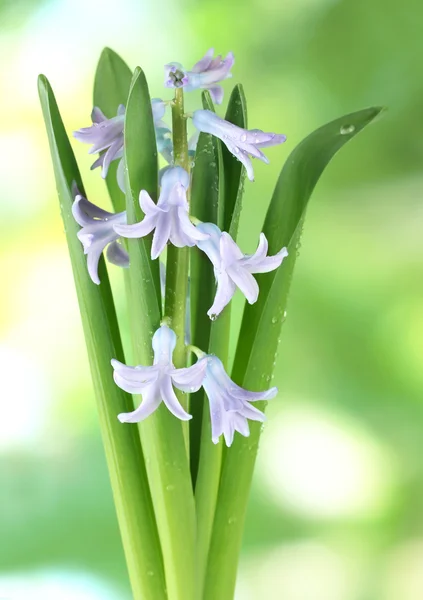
{"x":346,"y":129}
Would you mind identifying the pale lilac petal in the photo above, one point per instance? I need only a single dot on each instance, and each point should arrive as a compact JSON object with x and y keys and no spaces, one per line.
{"x":117,"y":255}
{"x":147,"y":205}
{"x":224,"y":293}
{"x":191,"y":378}
{"x":135,"y":374}
{"x":171,"y":401}
{"x":151,"y":401}
{"x":267,"y":264}
{"x":241,"y":142}
{"x":253,"y":414}
{"x":242,"y":394}
{"x":228,"y":430}
{"x":204,"y":62}
{"x":229,"y":250}
{"x":211,"y":246}
{"x":93,"y":258}
{"x":188,"y":228}
{"x":97,"y":115}
{"x":242,"y":157}
{"x":137,"y":230}
{"x":260,"y":254}
{"x":246,"y":283}
{"x":121,"y":110}
{"x":216,"y":93}
{"x":84,"y":211}
{"x":241,"y":424}
{"x":114,"y":151}
{"x":164,"y":342}
{"x":170,"y":178}
{"x":161,"y":235}
{"x":131,"y":387}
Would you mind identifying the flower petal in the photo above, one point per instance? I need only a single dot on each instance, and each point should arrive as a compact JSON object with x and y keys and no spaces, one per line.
{"x":147,"y":205}
{"x":84,"y":211}
{"x":150,"y":402}
{"x":204,"y":62}
{"x":170,"y":399}
{"x":137,"y":230}
{"x":191,"y":378}
{"x":269,"y":263}
{"x":224,"y":292}
{"x":161,"y":235}
{"x":117,"y":255}
{"x":245,"y":281}
{"x":229,"y":250}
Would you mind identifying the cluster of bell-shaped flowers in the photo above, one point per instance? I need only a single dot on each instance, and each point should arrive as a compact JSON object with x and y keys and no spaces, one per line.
{"x":170,"y":221}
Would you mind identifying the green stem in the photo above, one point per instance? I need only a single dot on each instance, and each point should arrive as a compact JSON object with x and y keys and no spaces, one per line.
{"x":210,"y":461}
{"x":162,"y":438}
{"x":178,"y":258}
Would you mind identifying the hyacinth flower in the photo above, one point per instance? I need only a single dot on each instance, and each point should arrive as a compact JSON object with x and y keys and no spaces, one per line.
{"x":175,"y":76}
{"x":180,"y":497}
{"x":208,"y":72}
{"x":155,"y":383}
{"x":241,"y":142}
{"x":168,"y":218}
{"x":96,"y":233}
{"x":205,"y":74}
{"x":230,"y":405}
{"x":106,"y":136}
{"x":234,"y":269}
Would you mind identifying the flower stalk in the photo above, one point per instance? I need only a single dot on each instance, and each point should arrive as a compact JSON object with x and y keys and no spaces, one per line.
{"x":178,"y":258}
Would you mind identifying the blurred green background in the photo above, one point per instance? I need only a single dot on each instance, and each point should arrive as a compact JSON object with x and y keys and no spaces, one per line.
{"x":336,"y":511}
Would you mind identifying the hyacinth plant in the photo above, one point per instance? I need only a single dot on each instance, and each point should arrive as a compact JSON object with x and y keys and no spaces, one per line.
{"x":180,"y":423}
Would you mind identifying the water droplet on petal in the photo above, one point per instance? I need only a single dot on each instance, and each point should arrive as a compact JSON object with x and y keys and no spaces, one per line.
{"x":243,"y":138}
{"x":347,"y":129}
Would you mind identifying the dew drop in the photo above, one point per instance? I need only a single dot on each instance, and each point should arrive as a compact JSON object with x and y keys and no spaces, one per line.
{"x":274,"y":320}
{"x":346,"y":129}
{"x":243,"y":138}
{"x":170,"y":488}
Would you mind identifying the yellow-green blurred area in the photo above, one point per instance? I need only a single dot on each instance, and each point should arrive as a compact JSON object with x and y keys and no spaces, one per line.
{"x":336,"y":510}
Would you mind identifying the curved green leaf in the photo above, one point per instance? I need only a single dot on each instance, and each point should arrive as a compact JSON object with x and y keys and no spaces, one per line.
{"x":260,"y":333}
{"x":207,"y":195}
{"x":141,"y":174}
{"x":234,"y":172}
{"x":161,"y":434}
{"x":111,"y":88}
{"x":122,"y":444}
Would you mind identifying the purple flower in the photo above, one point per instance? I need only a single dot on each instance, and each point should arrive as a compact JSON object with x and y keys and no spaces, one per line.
{"x":169,"y":217}
{"x":208,"y":72}
{"x":241,"y":142}
{"x":96,"y":233}
{"x":155,"y":383}
{"x":230,"y":406}
{"x":234,"y":269}
{"x":104,"y":135}
{"x":175,"y":75}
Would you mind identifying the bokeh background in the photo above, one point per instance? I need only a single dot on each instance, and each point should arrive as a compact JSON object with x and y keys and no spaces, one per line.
{"x":336,"y":511}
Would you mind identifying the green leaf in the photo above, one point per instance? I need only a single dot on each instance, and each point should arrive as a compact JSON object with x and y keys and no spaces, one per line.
{"x":260,"y":333}
{"x":141,"y":174}
{"x":161,"y":434}
{"x":234,"y":171}
{"x":209,"y":196}
{"x":122,"y":444}
{"x":111,"y":88}
{"x":206,"y":196}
